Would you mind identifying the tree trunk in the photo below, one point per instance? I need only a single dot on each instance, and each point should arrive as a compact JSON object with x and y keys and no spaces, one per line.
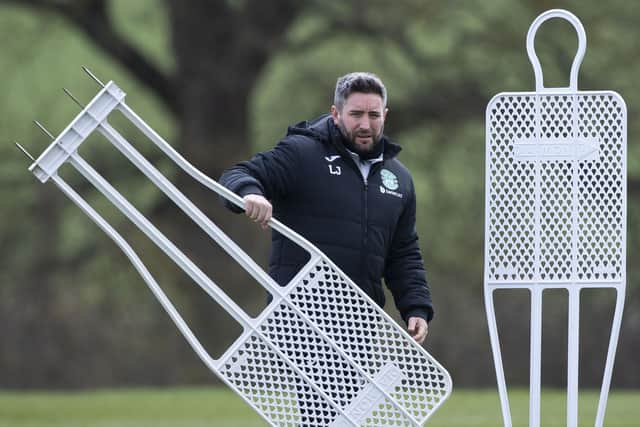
{"x":220,"y":56}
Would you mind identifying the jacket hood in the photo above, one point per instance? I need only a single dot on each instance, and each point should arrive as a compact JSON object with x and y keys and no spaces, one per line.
{"x":323,"y":130}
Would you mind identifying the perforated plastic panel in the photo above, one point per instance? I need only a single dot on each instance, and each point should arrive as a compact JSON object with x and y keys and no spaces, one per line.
{"x":321,"y":354}
{"x":350,"y":357}
{"x":555,"y":210}
{"x":556,"y":161}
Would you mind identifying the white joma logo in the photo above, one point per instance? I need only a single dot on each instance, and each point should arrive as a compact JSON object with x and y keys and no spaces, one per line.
{"x":336,"y":171}
{"x":331,"y":158}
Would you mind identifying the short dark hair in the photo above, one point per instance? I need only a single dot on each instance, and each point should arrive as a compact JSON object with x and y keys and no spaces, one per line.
{"x":358,"y":82}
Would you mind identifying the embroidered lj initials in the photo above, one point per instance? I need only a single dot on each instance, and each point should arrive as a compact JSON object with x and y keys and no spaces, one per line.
{"x":335,"y":171}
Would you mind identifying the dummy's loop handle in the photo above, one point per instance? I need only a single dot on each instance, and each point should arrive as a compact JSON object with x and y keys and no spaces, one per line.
{"x":582,"y":47}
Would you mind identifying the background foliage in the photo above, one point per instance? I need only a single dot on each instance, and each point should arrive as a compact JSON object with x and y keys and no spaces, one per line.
{"x":223,"y":79}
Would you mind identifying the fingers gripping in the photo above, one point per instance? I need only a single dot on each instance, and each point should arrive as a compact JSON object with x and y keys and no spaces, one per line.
{"x":258,"y":209}
{"x":418,"y":329}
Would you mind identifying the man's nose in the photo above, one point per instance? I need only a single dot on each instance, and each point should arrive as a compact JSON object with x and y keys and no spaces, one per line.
{"x":365,"y":124}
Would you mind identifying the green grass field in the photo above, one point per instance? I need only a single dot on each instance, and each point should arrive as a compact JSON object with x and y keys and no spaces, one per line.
{"x":199,"y":407}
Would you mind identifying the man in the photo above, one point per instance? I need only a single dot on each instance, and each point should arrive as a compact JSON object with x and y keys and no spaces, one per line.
{"x":336,"y":181}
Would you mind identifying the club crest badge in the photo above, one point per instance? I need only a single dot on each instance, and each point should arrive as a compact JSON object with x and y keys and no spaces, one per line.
{"x":389,"y":180}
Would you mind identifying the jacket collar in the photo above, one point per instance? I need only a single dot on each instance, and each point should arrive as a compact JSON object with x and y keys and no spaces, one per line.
{"x":389,"y":148}
{"x":324,"y":130}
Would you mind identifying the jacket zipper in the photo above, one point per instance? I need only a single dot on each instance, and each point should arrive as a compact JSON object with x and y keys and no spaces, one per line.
{"x":365,"y":229}
{"x":365,"y":220}
{"x":365,"y":214}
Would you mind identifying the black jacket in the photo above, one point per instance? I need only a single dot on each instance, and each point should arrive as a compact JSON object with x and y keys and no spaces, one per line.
{"x":366,"y":228}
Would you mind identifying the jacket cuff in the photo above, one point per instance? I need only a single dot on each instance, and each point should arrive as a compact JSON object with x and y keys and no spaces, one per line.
{"x":249,"y":189}
{"x":242,"y":191}
{"x":424,"y":312}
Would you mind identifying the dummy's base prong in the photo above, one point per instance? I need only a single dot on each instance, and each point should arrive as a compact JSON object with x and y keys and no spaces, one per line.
{"x":43,"y":129}
{"x":73,"y":97}
{"x":97,"y":80}
{"x":24,"y":150}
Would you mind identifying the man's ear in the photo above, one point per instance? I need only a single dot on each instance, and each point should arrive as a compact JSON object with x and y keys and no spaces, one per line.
{"x":335,"y":114}
{"x":384,"y":114}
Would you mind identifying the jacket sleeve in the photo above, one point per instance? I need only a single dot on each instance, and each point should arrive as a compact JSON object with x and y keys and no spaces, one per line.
{"x":272,"y":174}
{"x":404,"y":270}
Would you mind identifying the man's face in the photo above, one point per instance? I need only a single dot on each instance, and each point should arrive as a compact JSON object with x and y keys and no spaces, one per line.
{"x":361,"y":120}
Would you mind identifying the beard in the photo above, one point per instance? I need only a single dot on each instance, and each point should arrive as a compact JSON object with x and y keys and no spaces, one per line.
{"x":369,"y":151}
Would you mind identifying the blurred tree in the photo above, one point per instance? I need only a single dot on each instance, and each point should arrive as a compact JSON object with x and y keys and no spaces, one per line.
{"x":242,"y":70}
{"x":220,"y":49}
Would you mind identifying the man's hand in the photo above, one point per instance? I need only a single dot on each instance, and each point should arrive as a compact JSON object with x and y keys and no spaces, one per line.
{"x":258,"y":209}
{"x":418,"y":329}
